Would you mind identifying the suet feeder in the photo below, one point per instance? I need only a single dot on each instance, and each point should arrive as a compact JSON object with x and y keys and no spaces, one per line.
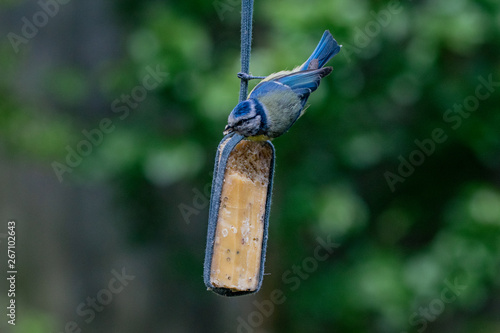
{"x":240,"y":203}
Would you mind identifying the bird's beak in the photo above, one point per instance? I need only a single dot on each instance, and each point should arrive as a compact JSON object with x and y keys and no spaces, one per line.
{"x":228,"y":129}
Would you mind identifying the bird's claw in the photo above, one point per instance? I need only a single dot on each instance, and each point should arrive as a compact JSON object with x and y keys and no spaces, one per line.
{"x":247,"y":77}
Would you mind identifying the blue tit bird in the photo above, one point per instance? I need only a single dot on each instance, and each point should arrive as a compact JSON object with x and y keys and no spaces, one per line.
{"x":276,"y":103}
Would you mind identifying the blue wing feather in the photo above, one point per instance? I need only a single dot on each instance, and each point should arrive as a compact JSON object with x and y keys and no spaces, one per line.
{"x":266,"y":87}
{"x":305,"y":79}
{"x":305,"y":82}
{"x":301,"y":83}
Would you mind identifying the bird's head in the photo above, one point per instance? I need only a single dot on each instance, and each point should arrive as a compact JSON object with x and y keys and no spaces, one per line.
{"x":247,"y":118}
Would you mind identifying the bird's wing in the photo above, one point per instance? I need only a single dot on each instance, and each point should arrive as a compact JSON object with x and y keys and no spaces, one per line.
{"x":304,"y":82}
{"x":274,"y":76}
{"x":268,"y":87}
{"x":301,"y":83}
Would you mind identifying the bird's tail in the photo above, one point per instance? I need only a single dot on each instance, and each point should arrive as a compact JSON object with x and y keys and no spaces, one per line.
{"x":326,"y":49}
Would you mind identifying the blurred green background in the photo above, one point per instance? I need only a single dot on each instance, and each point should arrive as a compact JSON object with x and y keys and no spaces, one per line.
{"x":416,"y":215}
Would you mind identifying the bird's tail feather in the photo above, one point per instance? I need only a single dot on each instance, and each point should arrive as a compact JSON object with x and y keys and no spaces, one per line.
{"x":326,"y":49}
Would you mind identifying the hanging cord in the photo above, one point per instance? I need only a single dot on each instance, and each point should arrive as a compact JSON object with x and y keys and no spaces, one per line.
{"x":246,"y":47}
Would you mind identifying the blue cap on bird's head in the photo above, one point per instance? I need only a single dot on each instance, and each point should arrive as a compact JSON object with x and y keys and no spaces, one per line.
{"x":248,"y":118}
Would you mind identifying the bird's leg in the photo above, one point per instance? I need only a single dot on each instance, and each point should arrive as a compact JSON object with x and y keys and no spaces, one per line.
{"x":247,"y":77}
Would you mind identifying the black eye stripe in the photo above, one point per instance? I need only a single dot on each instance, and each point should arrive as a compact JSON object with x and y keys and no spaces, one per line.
{"x":240,"y":122}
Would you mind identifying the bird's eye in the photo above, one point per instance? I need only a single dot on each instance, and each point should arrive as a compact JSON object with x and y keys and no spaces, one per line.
{"x":239,"y":123}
